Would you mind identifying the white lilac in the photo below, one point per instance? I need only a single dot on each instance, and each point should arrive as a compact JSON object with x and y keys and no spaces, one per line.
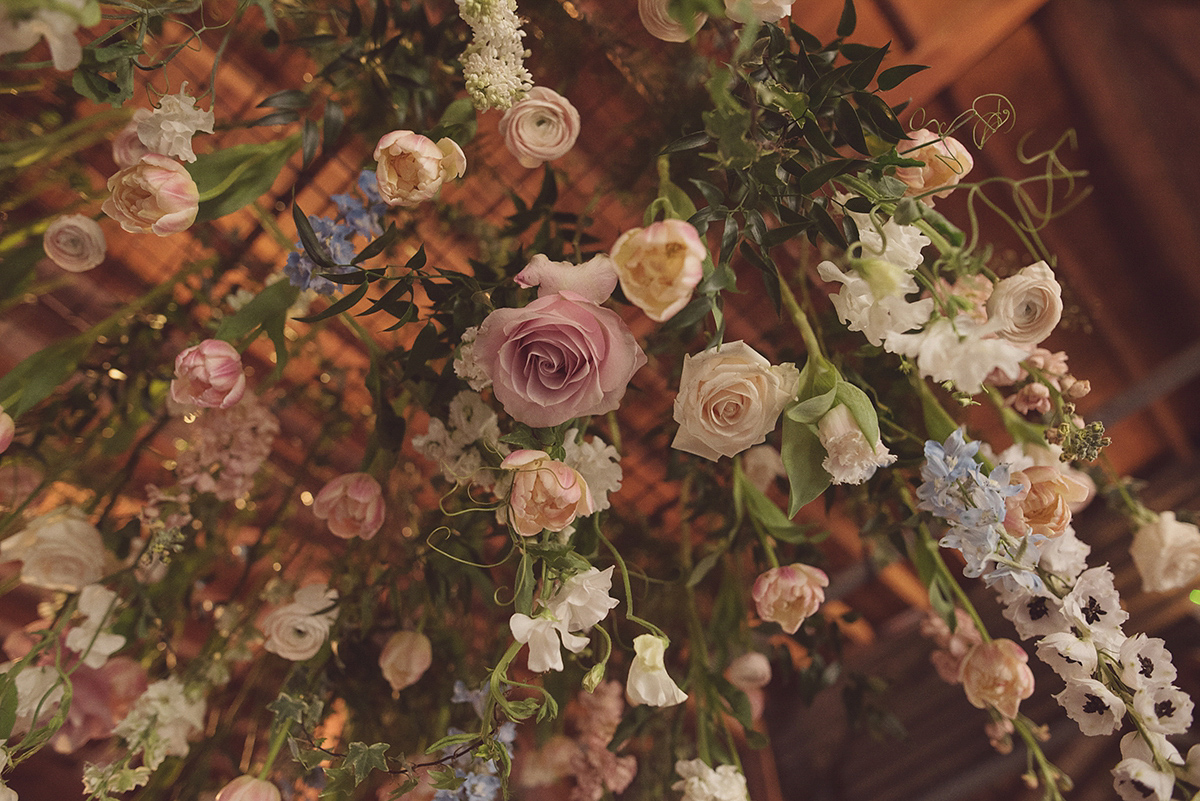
{"x":458,"y":445}
{"x":161,"y":722}
{"x":494,"y":63}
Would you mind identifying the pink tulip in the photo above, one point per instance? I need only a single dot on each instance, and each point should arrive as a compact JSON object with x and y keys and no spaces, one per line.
{"x":209,"y":375}
{"x":248,"y":788}
{"x":156,"y":195}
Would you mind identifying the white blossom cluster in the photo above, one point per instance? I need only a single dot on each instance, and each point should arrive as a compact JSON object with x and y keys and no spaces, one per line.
{"x":598,"y":463}
{"x":494,"y":63}
{"x":457,"y":445}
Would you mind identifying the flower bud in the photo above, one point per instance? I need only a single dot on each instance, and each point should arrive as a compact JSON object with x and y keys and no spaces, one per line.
{"x":546,"y":494}
{"x":946,"y":162}
{"x":405,"y":658}
{"x":8,"y":430}
{"x":996,"y":674}
{"x":209,"y":375}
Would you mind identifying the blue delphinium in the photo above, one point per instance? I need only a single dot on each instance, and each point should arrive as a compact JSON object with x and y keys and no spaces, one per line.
{"x":354,"y":219}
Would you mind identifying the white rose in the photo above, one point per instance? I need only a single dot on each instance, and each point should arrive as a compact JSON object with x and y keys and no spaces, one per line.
{"x":74,"y":242}
{"x":540,"y":128}
{"x":405,"y":658}
{"x":657,"y":19}
{"x":1026,"y":307}
{"x":410,"y":168}
{"x":730,"y":398}
{"x":1167,"y":553}
{"x":59,"y":550}
{"x":299,"y":629}
{"x":168,"y":130}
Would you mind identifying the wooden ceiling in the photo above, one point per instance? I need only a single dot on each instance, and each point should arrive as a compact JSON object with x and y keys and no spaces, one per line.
{"x":1124,"y":75}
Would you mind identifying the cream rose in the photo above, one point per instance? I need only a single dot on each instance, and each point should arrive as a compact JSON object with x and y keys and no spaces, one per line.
{"x":659,"y":266}
{"x":1026,"y":307}
{"x":405,"y":658}
{"x":154,"y":196}
{"x":730,"y":398}
{"x":60,"y":550}
{"x":540,"y":128}
{"x":74,"y":242}
{"x":946,"y":162}
{"x":657,"y":19}
{"x":410,"y":168}
{"x":1166,"y":553}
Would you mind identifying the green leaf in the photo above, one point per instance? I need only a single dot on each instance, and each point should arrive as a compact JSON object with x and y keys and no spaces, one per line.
{"x":361,"y":759}
{"x":267,"y":313}
{"x":288,"y":98}
{"x":894,"y":76}
{"x":827,"y":227}
{"x":381,"y":244}
{"x":309,"y":140}
{"x":232,"y":178}
{"x":523,"y":588}
{"x":881,"y":116}
{"x":802,"y":457}
{"x":281,"y":117}
{"x":314,"y":247}
{"x":703,"y":567}
{"x":865,"y":69}
{"x":688,"y":142}
{"x":332,"y":122}
{"x":821,"y":174}
{"x":36,"y":376}
{"x":344,"y":303}
{"x":861,"y":409}
{"x":848,"y":21}
{"x":847,"y":123}
{"x":8,"y":705}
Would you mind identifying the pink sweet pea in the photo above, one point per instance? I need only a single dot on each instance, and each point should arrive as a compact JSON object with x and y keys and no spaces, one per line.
{"x":209,"y":375}
{"x":353,"y":506}
{"x":790,"y":595}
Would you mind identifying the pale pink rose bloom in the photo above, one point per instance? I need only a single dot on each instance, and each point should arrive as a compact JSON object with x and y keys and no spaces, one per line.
{"x":1025,"y":308}
{"x":540,"y":128}
{"x":405,"y":658}
{"x":249,"y":788}
{"x":1043,"y":506}
{"x":657,"y":19}
{"x":790,"y":595}
{"x":60,"y":550}
{"x":8,"y":429}
{"x":946,"y":162}
{"x":560,"y":357}
{"x":352,"y":505}
{"x":127,"y":147}
{"x":730,"y":397}
{"x":74,"y":242}
{"x":762,"y":10}
{"x":1166,"y":553}
{"x":169,"y":129}
{"x":209,"y":375}
{"x":996,"y":674}
{"x":410,"y":168}
{"x":156,"y":195}
{"x":659,"y":266}
{"x":849,"y":458}
{"x":546,"y":494}
{"x":595,"y":279}
{"x":648,"y":681}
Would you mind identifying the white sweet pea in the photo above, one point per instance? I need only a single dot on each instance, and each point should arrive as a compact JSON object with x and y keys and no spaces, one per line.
{"x":595,"y":279}
{"x":956,"y":352}
{"x":877,"y":317}
{"x":168,"y":130}
{"x":99,"y":607}
{"x":598,"y":462}
{"x":648,"y":681}
{"x":583,"y":600}
{"x":545,"y":636}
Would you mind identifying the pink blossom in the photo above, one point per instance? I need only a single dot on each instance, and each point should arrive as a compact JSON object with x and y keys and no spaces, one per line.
{"x":156,"y":195}
{"x":560,"y":357}
{"x":209,"y":375}
{"x":546,"y":494}
{"x":226,"y":447}
{"x":996,"y":674}
{"x":410,"y":168}
{"x":1043,"y":506}
{"x":353,"y":506}
{"x":8,"y":430}
{"x":790,"y":595}
{"x":946,"y":162}
{"x":595,"y":279}
{"x":249,"y":788}
{"x":540,"y":128}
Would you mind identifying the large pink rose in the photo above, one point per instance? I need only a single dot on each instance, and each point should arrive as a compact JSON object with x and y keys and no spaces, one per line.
{"x":560,"y":357}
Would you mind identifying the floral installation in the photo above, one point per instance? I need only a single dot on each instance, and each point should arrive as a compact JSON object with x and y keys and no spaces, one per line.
{"x":272,"y":564}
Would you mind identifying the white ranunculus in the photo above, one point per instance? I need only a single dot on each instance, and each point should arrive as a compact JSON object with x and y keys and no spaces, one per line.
{"x":59,"y":550}
{"x":730,"y":398}
{"x":74,"y":242}
{"x":583,"y":600}
{"x":1167,"y":553}
{"x":656,"y":18}
{"x":297,"y":630}
{"x":1025,"y":308}
{"x":648,"y":681}
{"x":849,"y":459}
{"x":168,"y":130}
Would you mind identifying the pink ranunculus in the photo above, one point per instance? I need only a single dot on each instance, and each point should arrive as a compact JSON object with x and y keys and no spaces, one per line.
{"x":790,"y":595}
{"x":946,"y":162}
{"x":410,"y":168}
{"x":595,"y":279}
{"x":156,"y":195}
{"x":996,"y":674}
{"x":1025,"y":308}
{"x":74,"y":242}
{"x":352,"y":504}
{"x":560,"y":357}
{"x":658,"y":22}
{"x":540,"y":128}
{"x":249,"y":788}
{"x":405,"y":658}
{"x":546,"y":494}
{"x":659,"y":266}
{"x":8,"y":429}
{"x":127,"y":147}
{"x":209,"y":375}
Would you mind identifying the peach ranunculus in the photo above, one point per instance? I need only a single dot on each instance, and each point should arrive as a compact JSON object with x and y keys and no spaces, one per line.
{"x":209,"y":375}
{"x":659,"y":266}
{"x":658,"y":22}
{"x":405,"y":658}
{"x":546,"y":494}
{"x":730,"y":397}
{"x":540,"y":128}
{"x":997,"y":674}
{"x":156,"y":195}
{"x":1043,"y":506}
{"x":352,"y":506}
{"x":946,"y":162}
{"x":560,"y":357}
{"x":790,"y":595}
{"x":1025,"y":308}
{"x":74,"y":242}
{"x":410,"y":168}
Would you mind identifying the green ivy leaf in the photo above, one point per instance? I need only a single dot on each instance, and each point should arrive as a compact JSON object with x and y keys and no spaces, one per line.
{"x":361,"y":759}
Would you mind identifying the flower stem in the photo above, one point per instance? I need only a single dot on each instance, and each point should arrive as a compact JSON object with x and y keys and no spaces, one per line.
{"x":277,"y":741}
{"x":800,"y":319}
